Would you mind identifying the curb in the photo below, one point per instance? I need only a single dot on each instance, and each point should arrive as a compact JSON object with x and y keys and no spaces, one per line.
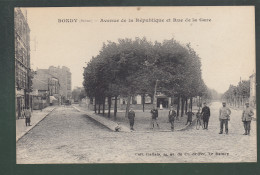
{"x":124,"y":128}
{"x":105,"y":122}
{"x":187,"y":126}
{"x":35,"y":125}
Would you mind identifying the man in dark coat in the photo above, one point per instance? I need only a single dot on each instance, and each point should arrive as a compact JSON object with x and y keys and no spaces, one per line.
{"x":154,"y":113}
{"x":131,"y":117}
{"x":172,"y":115}
{"x":205,"y":115}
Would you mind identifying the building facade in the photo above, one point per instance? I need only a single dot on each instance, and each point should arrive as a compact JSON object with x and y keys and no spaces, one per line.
{"x":64,"y":76}
{"x":46,"y":88}
{"x":22,"y":60}
{"x":44,"y":80}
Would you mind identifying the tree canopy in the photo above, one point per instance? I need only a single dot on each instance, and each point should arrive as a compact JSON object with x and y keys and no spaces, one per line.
{"x":130,"y":67}
{"x":237,"y":95}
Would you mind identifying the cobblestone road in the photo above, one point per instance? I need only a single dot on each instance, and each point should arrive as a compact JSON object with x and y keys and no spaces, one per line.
{"x":67,"y":136}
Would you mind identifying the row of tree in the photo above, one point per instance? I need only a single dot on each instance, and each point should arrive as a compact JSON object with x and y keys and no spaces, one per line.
{"x":238,"y":95}
{"x":78,"y":94}
{"x":130,"y":67}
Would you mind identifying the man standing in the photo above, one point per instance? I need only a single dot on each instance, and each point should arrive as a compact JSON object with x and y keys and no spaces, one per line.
{"x":205,"y":115}
{"x":27,"y":116}
{"x":131,"y":117}
{"x":154,"y":113}
{"x":224,"y":117}
{"x":246,"y":118}
{"x":172,"y":115}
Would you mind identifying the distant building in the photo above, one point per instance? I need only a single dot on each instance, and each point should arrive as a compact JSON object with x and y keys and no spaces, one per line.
{"x":46,"y":86}
{"x":22,"y":60}
{"x":252,"y":98}
{"x":63,"y":76}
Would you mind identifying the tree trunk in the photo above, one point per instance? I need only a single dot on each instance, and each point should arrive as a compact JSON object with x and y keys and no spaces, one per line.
{"x":127,"y":106}
{"x":109,"y":106}
{"x":182,"y":106}
{"x":186,"y":105}
{"x":95,"y":105}
{"x":191,"y":103}
{"x":143,"y":101}
{"x":104,"y":105}
{"x":115,"y":107}
{"x":99,"y":106}
{"x":178,"y":107}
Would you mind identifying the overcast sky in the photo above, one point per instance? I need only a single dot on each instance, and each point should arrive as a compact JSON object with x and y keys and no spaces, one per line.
{"x":226,"y":44}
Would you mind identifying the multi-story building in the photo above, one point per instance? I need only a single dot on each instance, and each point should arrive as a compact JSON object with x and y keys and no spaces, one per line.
{"x":46,"y":88}
{"x":22,"y":60}
{"x":64,"y":76}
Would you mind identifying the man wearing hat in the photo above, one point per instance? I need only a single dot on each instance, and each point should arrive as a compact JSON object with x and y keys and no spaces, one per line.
{"x":154,"y":113}
{"x":224,"y":117}
{"x":246,"y":118}
{"x":131,"y":117}
{"x":205,"y":113}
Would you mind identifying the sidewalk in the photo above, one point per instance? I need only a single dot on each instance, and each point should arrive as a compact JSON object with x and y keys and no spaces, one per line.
{"x":142,"y":120}
{"x":37,"y":116}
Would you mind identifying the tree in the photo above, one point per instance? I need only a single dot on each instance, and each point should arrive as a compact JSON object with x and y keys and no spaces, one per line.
{"x":132,"y":67}
{"x":237,"y":95}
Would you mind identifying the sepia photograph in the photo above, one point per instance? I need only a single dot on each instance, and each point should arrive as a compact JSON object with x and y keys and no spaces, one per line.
{"x":105,"y":85}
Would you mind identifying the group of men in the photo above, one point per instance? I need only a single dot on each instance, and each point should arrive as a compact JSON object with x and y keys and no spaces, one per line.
{"x":224,"y":117}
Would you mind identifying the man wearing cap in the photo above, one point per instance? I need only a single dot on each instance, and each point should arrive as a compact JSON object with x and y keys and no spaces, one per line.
{"x":131,"y":117}
{"x":224,"y":117}
{"x":246,"y":118}
{"x":205,"y":113}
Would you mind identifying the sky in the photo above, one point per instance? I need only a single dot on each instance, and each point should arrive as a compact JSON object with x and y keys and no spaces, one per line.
{"x":225,"y":43}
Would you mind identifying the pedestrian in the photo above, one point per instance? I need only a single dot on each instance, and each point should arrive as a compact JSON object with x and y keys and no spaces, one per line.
{"x":189,"y":119}
{"x":28,"y":117}
{"x":118,"y":127}
{"x":154,"y":113}
{"x":246,"y":118}
{"x":131,"y":117}
{"x":172,"y":115}
{"x":224,"y":117}
{"x":198,"y":116}
{"x":205,"y":112}
{"x":161,"y":106}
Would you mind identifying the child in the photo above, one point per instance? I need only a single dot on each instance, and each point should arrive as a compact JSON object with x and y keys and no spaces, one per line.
{"x":189,"y":114}
{"x":198,"y":115}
